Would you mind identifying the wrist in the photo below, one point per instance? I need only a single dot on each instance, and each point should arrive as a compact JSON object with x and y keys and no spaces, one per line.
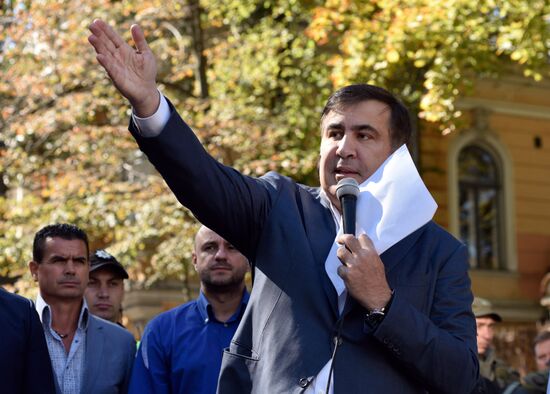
{"x":381,"y":302}
{"x":147,"y":106}
{"x":374,"y":316}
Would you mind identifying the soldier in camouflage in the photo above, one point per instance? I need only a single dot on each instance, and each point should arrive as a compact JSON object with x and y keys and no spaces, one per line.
{"x":495,"y":375}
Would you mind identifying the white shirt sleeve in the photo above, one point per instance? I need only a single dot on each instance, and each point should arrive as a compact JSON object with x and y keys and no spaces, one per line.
{"x":153,"y":125}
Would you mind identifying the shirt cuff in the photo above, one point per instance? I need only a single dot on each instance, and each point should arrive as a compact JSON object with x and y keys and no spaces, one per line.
{"x":153,"y":125}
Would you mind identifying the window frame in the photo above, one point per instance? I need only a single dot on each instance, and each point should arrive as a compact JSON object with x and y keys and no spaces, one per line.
{"x":488,"y":141}
{"x":475,"y":188}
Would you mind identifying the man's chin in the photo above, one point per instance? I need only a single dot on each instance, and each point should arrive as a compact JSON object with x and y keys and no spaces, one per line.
{"x":71,"y":293}
{"x":221,"y":285}
{"x":105,"y":316}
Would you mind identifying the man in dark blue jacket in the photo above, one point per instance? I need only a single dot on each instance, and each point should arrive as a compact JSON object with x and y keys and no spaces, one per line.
{"x":25,"y":365}
{"x":387,"y":312}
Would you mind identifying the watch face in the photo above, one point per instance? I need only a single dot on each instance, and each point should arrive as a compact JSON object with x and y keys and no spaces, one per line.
{"x":373,"y":319}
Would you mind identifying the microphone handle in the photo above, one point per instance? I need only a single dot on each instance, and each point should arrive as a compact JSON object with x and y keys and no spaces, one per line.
{"x":348,"y":203}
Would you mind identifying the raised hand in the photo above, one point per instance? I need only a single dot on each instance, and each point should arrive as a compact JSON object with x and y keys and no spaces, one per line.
{"x":133,"y":71}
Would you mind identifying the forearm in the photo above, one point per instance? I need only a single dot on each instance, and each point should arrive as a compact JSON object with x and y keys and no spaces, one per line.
{"x":444,"y":363}
{"x":438,"y":344}
{"x":230,"y":203}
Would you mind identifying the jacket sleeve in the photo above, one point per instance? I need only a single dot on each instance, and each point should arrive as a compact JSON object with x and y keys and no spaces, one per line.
{"x":39,"y":377}
{"x":130,"y":357}
{"x":230,"y":203}
{"x":438,"y":349}
{"x":151,"y":370}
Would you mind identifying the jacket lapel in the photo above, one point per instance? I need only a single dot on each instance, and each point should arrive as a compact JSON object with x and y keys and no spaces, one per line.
{"x":397,"y":252}
{"x":94,"y":353}
{"x":390,"y":258}
{"x":320,"y":230}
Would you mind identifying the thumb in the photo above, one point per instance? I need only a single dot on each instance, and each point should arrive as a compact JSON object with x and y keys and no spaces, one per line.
{"x":366,"y":242}
{"x":139,"y":38}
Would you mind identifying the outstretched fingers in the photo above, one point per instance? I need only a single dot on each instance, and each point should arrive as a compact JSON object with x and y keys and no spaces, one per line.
{"x":111,"y":36}
{"x":139,"y":39}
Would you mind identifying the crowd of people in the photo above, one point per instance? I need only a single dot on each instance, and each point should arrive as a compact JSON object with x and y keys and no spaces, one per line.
{"x":385,"y":309}
{"x":495,"y":375}
{"x":71,"y":340}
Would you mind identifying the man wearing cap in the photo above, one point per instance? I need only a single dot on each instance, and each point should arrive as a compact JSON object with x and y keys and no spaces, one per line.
{"x":105,"y":291}
{"x":495,"y":374}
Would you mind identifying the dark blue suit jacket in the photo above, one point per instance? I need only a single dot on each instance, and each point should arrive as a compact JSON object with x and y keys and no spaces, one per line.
{"x":427,"y":341}
{"x":24,"y":360}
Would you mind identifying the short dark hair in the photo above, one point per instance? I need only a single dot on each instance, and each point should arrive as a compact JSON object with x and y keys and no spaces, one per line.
{"x":400,"y":120}
{"x":541,"y":337}
{"x":59,"y":230}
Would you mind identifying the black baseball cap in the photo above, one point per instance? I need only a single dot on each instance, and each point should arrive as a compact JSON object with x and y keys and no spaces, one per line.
{"x":103,"y":259}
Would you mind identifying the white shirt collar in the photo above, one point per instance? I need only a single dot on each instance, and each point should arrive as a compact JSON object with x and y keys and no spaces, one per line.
{"x":45,"y":311}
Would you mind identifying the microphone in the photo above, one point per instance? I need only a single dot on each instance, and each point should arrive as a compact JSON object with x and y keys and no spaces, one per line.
{"x":347,"y":191}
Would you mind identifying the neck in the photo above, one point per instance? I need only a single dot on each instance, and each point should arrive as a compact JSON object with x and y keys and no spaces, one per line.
{"x":224,"y":303}
{"x":64,"y":314}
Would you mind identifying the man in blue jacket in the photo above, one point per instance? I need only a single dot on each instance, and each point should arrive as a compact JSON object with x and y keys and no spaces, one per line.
{"x":25,"y":366}
{"x":387,"y":312}
{"x":88,"y":354}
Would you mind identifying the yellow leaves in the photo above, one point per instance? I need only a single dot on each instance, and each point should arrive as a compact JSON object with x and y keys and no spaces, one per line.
{"x":392,"y":56}
{"x":322,"y":23}
{"x":519,"y":55}
{"x":537,"y":76}
{"x":419,"y":63}
{"x":340,"y":5}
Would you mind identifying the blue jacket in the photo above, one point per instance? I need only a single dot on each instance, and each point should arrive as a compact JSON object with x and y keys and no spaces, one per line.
{"x":110,"y":353}
{"x":24,"y":360}
{"x":427,"y":341}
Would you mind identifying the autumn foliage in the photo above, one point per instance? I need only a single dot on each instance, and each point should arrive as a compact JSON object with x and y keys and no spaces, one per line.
{"x":250,"y":76}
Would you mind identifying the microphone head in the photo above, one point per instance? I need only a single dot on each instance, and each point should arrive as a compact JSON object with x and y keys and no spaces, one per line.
{"x":346,"y":187}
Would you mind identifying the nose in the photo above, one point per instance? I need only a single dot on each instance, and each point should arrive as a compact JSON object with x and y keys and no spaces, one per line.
{"x":69,"y":267}
{"x":221,"y":253}
{"x":103,"y":293}
{"x":346,"y":146}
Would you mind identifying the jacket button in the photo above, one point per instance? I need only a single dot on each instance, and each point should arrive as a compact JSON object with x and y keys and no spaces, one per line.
{"x":303,"y":382}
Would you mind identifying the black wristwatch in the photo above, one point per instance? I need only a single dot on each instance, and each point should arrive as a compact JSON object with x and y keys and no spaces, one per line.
{"x":374,"y":317}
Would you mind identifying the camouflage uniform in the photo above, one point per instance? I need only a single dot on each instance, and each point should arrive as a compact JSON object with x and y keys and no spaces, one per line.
{"x":496,"y":370}
{"x":534,"y":383}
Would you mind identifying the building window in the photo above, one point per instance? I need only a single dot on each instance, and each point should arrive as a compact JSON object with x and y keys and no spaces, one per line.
{"x":480,"y":200}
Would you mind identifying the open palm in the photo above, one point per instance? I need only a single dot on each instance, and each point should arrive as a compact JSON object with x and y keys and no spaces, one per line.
{"x":133,"y":71}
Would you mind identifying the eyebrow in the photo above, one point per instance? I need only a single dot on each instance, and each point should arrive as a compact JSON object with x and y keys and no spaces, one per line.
{"x":209,"y":243}
{"x":358,"y":127}
{"x":62,"y":257}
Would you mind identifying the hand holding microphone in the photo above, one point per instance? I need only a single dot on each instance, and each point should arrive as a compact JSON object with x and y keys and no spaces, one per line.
{"x":362,"y":270}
